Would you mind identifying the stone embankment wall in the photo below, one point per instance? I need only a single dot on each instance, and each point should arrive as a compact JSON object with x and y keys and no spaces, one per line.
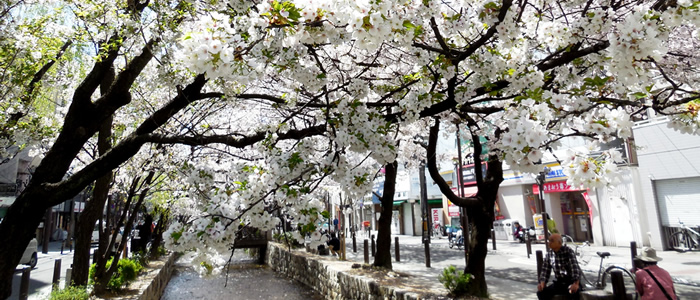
{"x":335,"y":280}
{"x":150,"y":285}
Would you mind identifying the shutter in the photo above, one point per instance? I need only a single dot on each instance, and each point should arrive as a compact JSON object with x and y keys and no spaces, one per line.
{"x":679,"y":199}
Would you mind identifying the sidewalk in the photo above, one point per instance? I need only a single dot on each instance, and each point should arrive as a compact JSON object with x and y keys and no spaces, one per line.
{"x":516,"y":272}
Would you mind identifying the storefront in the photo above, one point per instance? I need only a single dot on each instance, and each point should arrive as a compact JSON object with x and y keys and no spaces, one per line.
{"x":570,"y":208}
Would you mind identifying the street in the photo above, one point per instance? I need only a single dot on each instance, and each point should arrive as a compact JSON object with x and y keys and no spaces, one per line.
{"x":41,"y":276}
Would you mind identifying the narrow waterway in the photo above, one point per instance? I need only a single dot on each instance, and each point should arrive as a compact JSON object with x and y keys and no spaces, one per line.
{"x":246,"y":280}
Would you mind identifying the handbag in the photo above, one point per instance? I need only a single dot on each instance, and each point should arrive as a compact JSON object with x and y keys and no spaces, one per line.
{"x":659,"y":284}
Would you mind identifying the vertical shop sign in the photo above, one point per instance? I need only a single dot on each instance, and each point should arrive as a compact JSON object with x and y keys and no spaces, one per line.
{"x":588,"y":203}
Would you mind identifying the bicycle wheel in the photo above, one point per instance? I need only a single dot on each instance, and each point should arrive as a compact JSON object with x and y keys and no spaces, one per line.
{"x":627,"y":277}
{"x":681,"y":242}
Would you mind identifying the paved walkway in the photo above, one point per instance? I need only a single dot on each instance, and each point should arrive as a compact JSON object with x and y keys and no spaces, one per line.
{"x":510,"y":273}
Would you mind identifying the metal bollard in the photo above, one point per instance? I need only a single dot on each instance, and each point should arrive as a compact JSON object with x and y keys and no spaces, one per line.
{"x":24,"y":284}
{"x":540,"y":261}
{"x":366,"y":250}
{"x":396,"y":248}
{"x":528,"y":246}
{"x":354,"y":243}
{"x":56,"y":274}
{"x":493,"y":239}
{"x":374,"y":247}
{"x":63,"y":244}
{"x":618,"y":285}
{"x":633,"y":252}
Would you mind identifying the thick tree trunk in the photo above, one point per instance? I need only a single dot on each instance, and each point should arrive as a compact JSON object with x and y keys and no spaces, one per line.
{"x":383,"y":255}
{"x":94,"y":207}
{"x":481,"y":221}
{"x":86,"y":223}
{"x":16,"y":230}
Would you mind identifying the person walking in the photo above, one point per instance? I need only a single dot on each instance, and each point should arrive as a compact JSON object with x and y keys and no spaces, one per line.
{"x":334,"y":244}
{"x":652,"y":281}
{"x":562,"y":260}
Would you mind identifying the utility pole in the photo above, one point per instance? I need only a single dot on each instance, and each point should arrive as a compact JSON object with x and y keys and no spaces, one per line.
{"x":424,"y":213}
{"x":540,"y":184}
{"x":464,"y":220}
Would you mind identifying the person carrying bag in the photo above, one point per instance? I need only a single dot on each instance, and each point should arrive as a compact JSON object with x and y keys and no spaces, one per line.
{"x":653,"y":282}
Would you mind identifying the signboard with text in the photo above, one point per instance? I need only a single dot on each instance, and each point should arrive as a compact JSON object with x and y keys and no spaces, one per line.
{"x":553,"y":187}
{"x":469,"y":174}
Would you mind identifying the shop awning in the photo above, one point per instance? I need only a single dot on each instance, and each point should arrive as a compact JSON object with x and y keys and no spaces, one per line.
{"x":399,"y":202}
{"x":432,"y":201}
{"x":469,"y":191}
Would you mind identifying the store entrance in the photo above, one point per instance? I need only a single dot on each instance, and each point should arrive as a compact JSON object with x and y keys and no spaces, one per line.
{"x":575,"y":216}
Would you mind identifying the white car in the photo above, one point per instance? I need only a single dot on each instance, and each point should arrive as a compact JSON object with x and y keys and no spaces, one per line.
{"x":29,"y":257}
{"x":95,"y":234}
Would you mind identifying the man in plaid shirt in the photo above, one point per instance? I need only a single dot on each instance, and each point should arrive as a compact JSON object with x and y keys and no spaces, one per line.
{"x":567,"y":272}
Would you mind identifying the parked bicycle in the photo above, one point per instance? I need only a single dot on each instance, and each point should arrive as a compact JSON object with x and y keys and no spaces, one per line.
{"x":604,"y":279}
{"x":581,"y":249}
{"x":685,"y":239}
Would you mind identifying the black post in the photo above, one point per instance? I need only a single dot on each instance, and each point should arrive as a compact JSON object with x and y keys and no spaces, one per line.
{"x":366,"y":250}
{"x":633,"y":252}
{"x":396,"y":248}
{"x":47,"y":231}
{"x":425,"y":213}
{"x":528,"y":246}
{"x":493,"y":238}
{"x":374,"y":247}
{"x":618,"y":285}
{"x":540,"y":261}
{"x":56,"y":274}
{"x":354,"y":243}
{"x":24,"y":284}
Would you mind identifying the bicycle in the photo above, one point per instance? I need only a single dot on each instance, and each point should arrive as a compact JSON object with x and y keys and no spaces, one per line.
{"x":604,"y":279}
{"x":684,"y":240}
{"x":579,"y":249}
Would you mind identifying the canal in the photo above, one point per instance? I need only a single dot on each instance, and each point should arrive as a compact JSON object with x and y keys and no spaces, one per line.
{"x":246,"y":280}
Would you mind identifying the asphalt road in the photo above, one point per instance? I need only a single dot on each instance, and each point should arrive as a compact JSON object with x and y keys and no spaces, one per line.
{"x":40,"y":277}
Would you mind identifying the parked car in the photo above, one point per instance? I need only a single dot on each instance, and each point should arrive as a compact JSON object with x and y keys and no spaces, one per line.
{"x":95,"y":234}
{"x":30,"y":257}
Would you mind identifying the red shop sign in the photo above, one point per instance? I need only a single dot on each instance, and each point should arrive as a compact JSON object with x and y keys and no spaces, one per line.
{"x":553,"y":187}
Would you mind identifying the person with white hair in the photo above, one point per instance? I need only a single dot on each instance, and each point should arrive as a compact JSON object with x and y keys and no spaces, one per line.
{"x":652,"y":281}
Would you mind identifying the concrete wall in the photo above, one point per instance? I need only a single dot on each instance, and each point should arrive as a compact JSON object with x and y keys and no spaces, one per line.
{"x":152,"y":284}
{"x":334,"y":280}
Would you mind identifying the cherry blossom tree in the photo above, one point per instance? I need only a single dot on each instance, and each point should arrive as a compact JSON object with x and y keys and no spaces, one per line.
{"x":275,"y":100}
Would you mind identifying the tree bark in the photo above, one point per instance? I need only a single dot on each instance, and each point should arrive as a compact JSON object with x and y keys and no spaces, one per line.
{"x":479,"y":208}
{"x":94,"y":207}
{"x":383,"y":255}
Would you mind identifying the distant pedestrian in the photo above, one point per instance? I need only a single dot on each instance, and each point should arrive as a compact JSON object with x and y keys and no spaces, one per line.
{"x":652,"y":281}
{"x":335,"y":224}
{"x":114,"y":251}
